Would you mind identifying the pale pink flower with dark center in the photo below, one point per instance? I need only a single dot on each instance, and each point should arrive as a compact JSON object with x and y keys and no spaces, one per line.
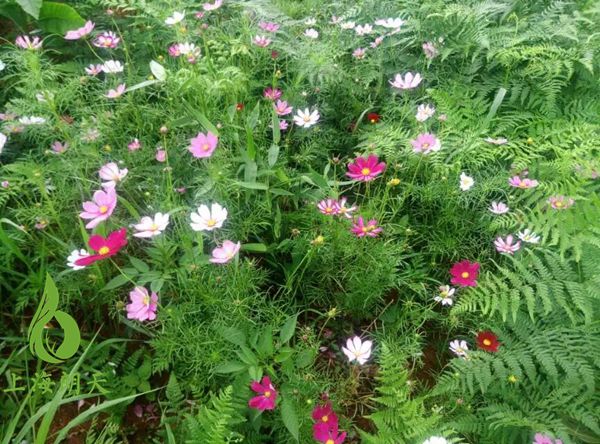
{"x":426,"y":143}
{"x":107,"y":39}
{"x":150,"y":227}
{"x":59,"y":147}
{"x":112,"y":174}
{"x":212,"y":6}
{"x":272,"y":93}
{"x":27,"y":42}
{"x":143,"y":306}
{"x":344,"y":210}
{"x":282,"y":108}
{"x":93,"y":70}
{"x":203,"y":145}
{"x":268,"y":26}
{"x":359,"y":53}
{"x":117,"y":92}
{"x":329,"y":207}
{"x":134,"y":145}
{"x":430,"y":50}
{"x":408,"y":81}
{"x":370,"y":229}
{"x":5,"y":184}
{"x":498,"y":208}
{"x":261,"y":40}
{"x":225,"y":253}
{"x":561,"y":202}
{"x":506,"y":245}
{"x":100,"y":209}
{"x":365,"y":169}
{"x":80,"y":32}
{"x":524,"y":183}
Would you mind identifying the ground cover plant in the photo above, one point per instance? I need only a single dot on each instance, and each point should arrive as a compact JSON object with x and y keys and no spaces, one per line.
{"x":272,"y":221}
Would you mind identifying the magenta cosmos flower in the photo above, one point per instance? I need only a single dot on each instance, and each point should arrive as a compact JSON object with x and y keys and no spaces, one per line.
{"x":365,"y":169}
{"x":107,"y":39}
{"x":465,"y":274}
{"x":524,"y":183}
{"x":360,"y":229}
{"x":561,"y":202}
{"x":103,"y":247}
{"x":224,"y":253}
{"x":26,"y":42}
{"x":282,"y":108}
{"x":79,"y":33}
{"x":143,"y":305}
{"x":426,"y":143}
{"x":203,"y":145}
{"x":506,"y":245}
{"x":100,"y":209}
{"x":328,"y":435}
{"x":267,"y":395}
{"x":408,"y":81}
{"x":272,"y":93}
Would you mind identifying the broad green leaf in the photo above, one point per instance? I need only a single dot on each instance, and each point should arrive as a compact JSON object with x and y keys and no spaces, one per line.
{"x":116,"y":282}
{"x":58,"y":18}
{"x":31,"y":7}
{"x":231,"y":367}
{"x":234,"y":335}
{"x":158,"y":71}
{"x":290,"y":418}
{"x":139,"y":265}
{"x":288,"y":329}
{"x":141,"y":85}
{"x":253,"y":186}
{"x":273,"y":154}
{"x":256,"y":248}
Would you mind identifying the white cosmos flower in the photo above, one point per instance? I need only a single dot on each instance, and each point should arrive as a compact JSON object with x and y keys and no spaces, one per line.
{"x":424,"y":112}
{"x":466,"y":182}
{"x":459,"y":348}
{"x":3,"y":139}
{"x":75,"y":255}
{"x":2,"y":65}
{"x":358,"y":350}
{"x":436,"y":440}
{"x":363,"y":29}
{"x":32,"y":120}
{"x":150,"y":227}
{"x":112,"y":67}
{"x":348,"y":25}
{"x":445,"y":295}
{"x":206,"y":219}
{"x":310,"y":21}
{"x":498,"y":208}
{"x":408,"y":81}
{"x":528,"y":236}
{"x":175,"y":18}
{"x":311,"y":33}
{"x":305,"y":118}
{"x":112,"y":174}
{"x":391,"y":23}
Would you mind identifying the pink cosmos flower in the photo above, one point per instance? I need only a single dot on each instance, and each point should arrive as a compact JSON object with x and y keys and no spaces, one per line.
{"x":409,"y":81}
{"x":506,"y":245}
{"x":150,"y":227}
{"x":499,"y":208}
{"x":59,"y":147}
{"x":544,"y":439}
{"x":328,"y":435}
{"x":100,"y":209}
{"x":225,"y":253}
{"x":272,"y":94}
{"x":426,"y":143}
{"x":261,"y":40}
{"x":282,"y":108}
{"x":199,"y":15}
{"x":143,"y":306}
{"x":344,"y":210}
{"x":107,"y":39}
{"x":329,"y":207}
{"x":26,"y":42}
{"x":561,"y":202}
{"x":268,"y":26}
{"x":370,"y":229}
{"x":174,"y":50}
{"x":365,"y":169}
{"x":161,"y":155}
{"x":203,"y":145}
{"x":112,"y":174}
{"x":378,"y":41}
{"x":116,"y":93}
{"x":359,"y":53}
{"x":430,"y":50}
{"x":465,"y":274}
{"x":267,"y":395}
{"x":93,"y":70}
{"x":104,"y":247}
{"x":134,"y":145}
{"x":80,"y":32}
{"x":524,"y":183}
{"x":283,"y":125}
{"x":211,"y":7}
{"x":5,"y":184}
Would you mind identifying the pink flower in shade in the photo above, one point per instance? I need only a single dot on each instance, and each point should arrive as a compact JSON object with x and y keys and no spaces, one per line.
{"x":426,"y":144}
{"x":80,"y":32}
{"x":370,"y":229}
{"x":104,"y":247}
{"x":261,"y":40}
{"x":324,"y":414}
{"x":359,"y":53}
{"x":499,"y":208}
{"x":506,"y":245}
{"x":5,"y":184}
{"x":272,"y":93}
{"x":561,"y":202}
{"x":344,"y":210}
{"x":378,"y":41}
{"x":150,"y":227}
{"x":268,"y":26}
{"x":107,"y":39}
{"x":409,"y":81}
{"x":212,"y":6}
{"x":26,"y":42}
{"x":267,"y":395}
{"x":524,"y":183}
{"x":327,"y":435}
{"x":116,"y":93}
{"x":174,"y":50}
{"x":199,"y":15}
{"x":365,"y":169}
{"x":224,"y":253}
{"x":161,"y":155}
{"x":100,"y":209}
{"x":59,"y":147}
{"x":203,"y":145}
{"x":282,"y":108}
{"x":545,"y":439}
{"x":112,"y":174}
{"x":283,"y":125}
{"x":329,"y":207}
{"x":134,"y":145}
{"x":93,"y":70}
{"x":430,"y":50}
{"x":143,"y":305}
{"x":465,"y":274}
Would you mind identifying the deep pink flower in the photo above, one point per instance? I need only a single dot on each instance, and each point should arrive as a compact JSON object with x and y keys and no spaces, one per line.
{"x":360,"y":229}
{"x":76,"y":34}
{"x":465,"y":274}
{"x":267,"y":395}
{"x":327,"y":435}
{"x":329,"y":207}
{"x":103,"y":205}
{"x":561,"y":202}
{"x":203,"y":145}
{"x":540,"y":438}
{"x":282,"y":108}
{"x":268,"y":26}
{"x":524,"y":183}
{"x":143,"y":305}
{"x":225,"y":253}
{"x":365,"y":168}
{"x":105,"y":247}
{"x":426,"y":143}
{"x":107,"y":39}
{"x":272,"y":93}
{"x":325,"y":414}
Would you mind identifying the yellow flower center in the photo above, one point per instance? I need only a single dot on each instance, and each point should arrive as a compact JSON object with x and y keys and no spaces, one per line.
{"x":373,"y":120}
{"x":558,"y":204}
{"x":104,"y":250}
{"x":103,"y":209}
{"x":268,"y":394}
{"x":330,"y":441}
{"x":465,"y":274}
{"x":205,"y":147}
{"x":487,"y":342}
{"x":364,"y":229}
{"x":154,"y":227}
{"x":325,"y":418}
{"x":425,"y":145}
{"x":328,"y":210}
{"x":366,"y":171}
{"x":522,"y":185}
{"x":211,"y":222}
{"x":306,"y":119}
{"x":146,"y":300}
